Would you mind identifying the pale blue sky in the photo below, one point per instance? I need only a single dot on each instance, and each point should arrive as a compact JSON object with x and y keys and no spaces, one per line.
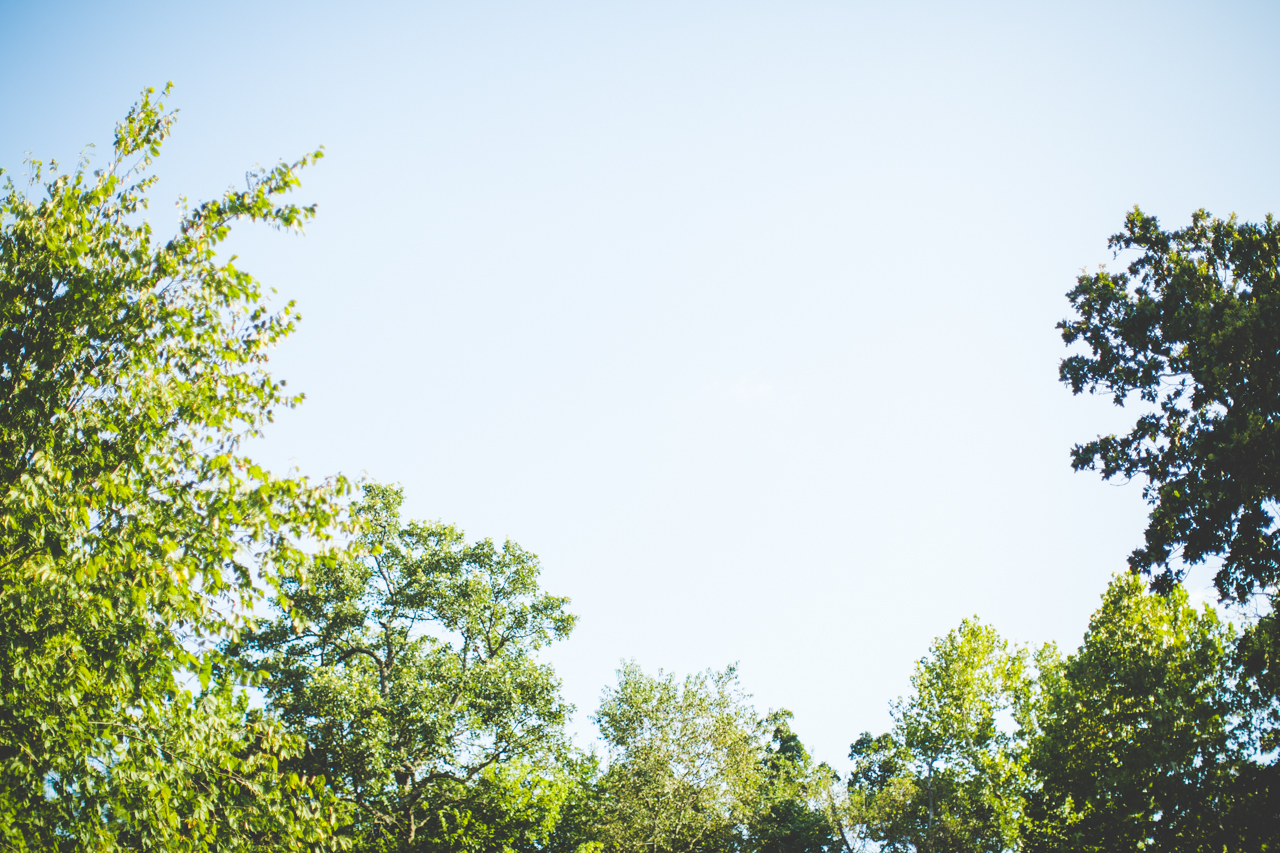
{"x":739,"y":314}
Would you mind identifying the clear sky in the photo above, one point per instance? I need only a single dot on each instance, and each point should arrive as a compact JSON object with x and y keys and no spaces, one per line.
{"x":740,"y":315}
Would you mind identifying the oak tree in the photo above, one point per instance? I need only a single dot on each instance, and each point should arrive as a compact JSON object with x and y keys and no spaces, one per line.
{"x":1190,"y":332}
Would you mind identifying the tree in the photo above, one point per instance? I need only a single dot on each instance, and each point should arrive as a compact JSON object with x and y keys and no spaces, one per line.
{"x":859,"y":810}
{"x":790,"y":814}
{"x":684,"y":765}
{"x":948,"y":777}
{"x":1254,"y":685}
{"x":1193,"y":331}
{"x":133,"y":531}
{"x":409,"y":666}
{"x":1138,"y":750}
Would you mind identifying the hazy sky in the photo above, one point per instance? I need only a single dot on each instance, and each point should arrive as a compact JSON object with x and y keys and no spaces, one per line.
{"x":740,"y":315}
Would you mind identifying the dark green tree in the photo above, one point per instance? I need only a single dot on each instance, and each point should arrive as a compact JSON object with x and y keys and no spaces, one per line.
{"x":133,"y":529}
{"x":409,"y":664}
{"x":1255,"y":685}
{"x":1191,"y":332}
{"x":860,"y":809}
{"x":790,"y":817}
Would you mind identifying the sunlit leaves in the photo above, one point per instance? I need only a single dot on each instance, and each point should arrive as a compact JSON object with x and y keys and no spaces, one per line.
{"x":951,"y":774}
{"x":133,"y":532}
{"x":685,"y":763}
{"x":1140,"y":744}
{"x":408,"y":664}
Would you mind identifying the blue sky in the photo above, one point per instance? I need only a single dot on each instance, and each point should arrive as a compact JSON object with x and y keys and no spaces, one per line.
{"x":741,"y":315}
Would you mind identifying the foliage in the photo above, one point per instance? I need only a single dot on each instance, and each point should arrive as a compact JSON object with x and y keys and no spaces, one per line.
{"x":408,"y":709}
{"x":132,"y":528}
{"x":1193,"y":330}
{"x":789,"y":815}
{"x":1255,"y":686}
{"x":857,"y":810}
{"x":684,"y":762}
{"x":409,"y":665}
{"x":1137,"y":750}
{"x":208,"y":768}
{"x":1256,"y":661}
{"x":582,"y":812}
{"x":948,"y":777}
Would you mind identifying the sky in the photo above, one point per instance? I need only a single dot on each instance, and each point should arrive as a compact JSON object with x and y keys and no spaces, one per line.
{"x":739,"y":315}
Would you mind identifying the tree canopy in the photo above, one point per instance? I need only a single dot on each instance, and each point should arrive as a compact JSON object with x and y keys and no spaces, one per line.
{"x":1192,"y":331}
{"x":1139,"y":748}
{"x":949,"y":776}
{"x":1191,"y":334}
{"x":134,"y":533}
{"x":691,"y":767}
{"x":408,"y":666}
{"x":683,"y":761}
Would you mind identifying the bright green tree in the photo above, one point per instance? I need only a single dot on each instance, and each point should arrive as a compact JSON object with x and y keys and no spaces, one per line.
{"x":684,"y":763}
{"x":582,"y":813}
{"x":950,"y":776}
{"x":410,"y":666}
{"x":133,"y":530}
{"x":1140,"y":745}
